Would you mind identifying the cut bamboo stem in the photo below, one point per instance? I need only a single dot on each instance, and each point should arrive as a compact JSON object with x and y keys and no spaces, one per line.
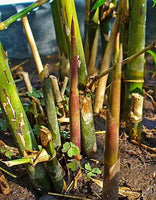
{"x":50,"y":107}
{"x":56,"y":91}
{"x":27,"y":81}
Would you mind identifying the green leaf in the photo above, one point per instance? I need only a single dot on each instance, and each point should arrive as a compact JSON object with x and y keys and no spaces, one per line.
{"x":73,"y":165}
{"x":96,"y":170}
{"x":154,"y":3}
{"x":72,"y":144}
{"x":153,"y":54}
{"x":75,"y":151}
{"x":88,"y":167}
{"x":66,"y":147}
{"x":98,"y":3}
{"x":90,"y":174}
{"x":9,"y":154}
{"x":70,"y":152}
{"x":35,"y":93}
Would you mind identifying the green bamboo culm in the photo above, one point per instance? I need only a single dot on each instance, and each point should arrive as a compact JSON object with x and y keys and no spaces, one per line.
{"x":19,"y":124}
{"x":53,"y":166}
{"x":62,"y":41}
{"x":134,"y":72}
{"x":124,"y":40}
{"x":91,"y":36}
{"x":50,"y":107}
{"x":10,"y":20}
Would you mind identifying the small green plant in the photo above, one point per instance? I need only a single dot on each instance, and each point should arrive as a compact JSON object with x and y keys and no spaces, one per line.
{"x":35,"y":93}
{"x":7,"y":151}
{"x":73,"y":150}
{"x":91,"y":172}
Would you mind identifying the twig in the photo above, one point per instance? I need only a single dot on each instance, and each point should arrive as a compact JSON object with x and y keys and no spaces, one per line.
{"x":144,"y":146}
{"x":10,"y":174}
{"x":129,"y":59}
{"x":96,"y":78}
{"x":154,"y":103}
{"x":68,"y":196}
{"x":17,"y":66}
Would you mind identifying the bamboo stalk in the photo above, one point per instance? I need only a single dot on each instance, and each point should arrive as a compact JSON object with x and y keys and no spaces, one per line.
{"x":10,"y":20}
{"x":48,"y":92}
{"x":27,"y":81}
{"x":68,"y":11}
{"x":124,"y":40}
{"x":75,"y":135}
{"x":92,"y":33}
{"x":62,"y":41}
{"x":111,"y":152}
{"x":134,"y":74}
{"x":32,"y":44}
{"x":56,"y":90}
{"x":106,"y":14}
{"x":88,"y":143}
{"x":19,"y":125}
{"x":86,"y":38}
{"x":100,"y":92}
{"x":65,"y":82}
{"x":50,"y":107}
{"x":53,"y":165}
{"x":135,"y":55}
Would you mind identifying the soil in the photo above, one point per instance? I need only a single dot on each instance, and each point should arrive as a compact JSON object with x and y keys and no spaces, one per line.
{"x":137,"y":163}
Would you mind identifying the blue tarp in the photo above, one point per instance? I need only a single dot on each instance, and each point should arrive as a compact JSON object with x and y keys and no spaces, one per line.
{"x":15,"y":42}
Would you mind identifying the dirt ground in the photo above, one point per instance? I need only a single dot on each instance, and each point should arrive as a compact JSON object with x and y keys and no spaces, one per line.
{"x":138,"y":164}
